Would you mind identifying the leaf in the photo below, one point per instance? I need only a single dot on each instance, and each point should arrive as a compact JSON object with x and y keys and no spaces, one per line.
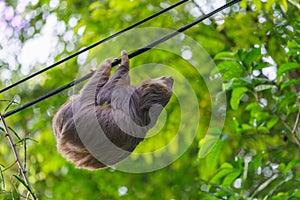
{"x":257,"y":81}
{"x":95,"y":5}
{"x":263,"y":129}
{"x":222,"y":173}
{"x":256,"y":162}
{"x":226,"y":165}
{"x":287,"y":67}
{"x":232,"y":73}
{"x":227,"y":65}
{"x":236,"y":96}
{"x":260,"y":88}
{"x":272,"y":122}
{"x":252,"y":56}
{"x":228,"y":180}
{"x":246,"y":127}
{"x":230,"y":69}
{"x":247,"y":80}
{"x":210,"y":140}
{"x":290,"y":165}
{"x":242,"y":54}
{"x":281,"y":167}
{"x":225,"y":56}
{"x":261,"y":65}
{"x":289,"y":82}
{"x":253,"y":106}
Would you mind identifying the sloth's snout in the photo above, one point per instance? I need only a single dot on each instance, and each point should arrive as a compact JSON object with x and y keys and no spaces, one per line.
{"x":168,"y":80}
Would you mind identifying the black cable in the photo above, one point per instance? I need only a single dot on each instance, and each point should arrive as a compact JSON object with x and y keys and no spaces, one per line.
{"x":138,"y":52}
{"x":93,"y":45}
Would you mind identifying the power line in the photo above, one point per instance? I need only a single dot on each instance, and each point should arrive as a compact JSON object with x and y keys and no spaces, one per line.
{"x":136,"y":53}
{"x":93,"y":45}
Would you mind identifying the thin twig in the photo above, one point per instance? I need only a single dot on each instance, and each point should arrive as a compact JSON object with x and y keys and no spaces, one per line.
{"x":289,"y":128}
{"x":13,"y":146}
{"x":2,"y":178}
{"x":264,"y":185}
{"x":295,"y":129}
{"x":10,"y":166}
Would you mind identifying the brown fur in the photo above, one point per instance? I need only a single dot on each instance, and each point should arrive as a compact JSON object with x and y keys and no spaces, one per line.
{"x":110,"y":117}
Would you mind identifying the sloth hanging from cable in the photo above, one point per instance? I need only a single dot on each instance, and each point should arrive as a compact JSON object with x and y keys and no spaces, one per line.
{"x":110,"y":117}
{"x":136,"y":53}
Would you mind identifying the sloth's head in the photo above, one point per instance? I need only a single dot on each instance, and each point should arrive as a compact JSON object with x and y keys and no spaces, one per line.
{"x":154,"y":96}
{"x":156,"y":91}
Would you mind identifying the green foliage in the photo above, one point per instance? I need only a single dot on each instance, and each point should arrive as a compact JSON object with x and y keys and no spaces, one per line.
{"x":257,"y":53}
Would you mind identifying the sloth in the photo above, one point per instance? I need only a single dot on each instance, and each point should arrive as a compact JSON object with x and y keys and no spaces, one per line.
{"x":107,"y":120}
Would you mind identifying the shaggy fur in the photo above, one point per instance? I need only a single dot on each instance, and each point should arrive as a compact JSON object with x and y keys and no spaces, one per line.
{"x":110,"y":117}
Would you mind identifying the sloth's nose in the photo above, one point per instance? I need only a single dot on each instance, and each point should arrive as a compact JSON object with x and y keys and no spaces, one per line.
{"x":168,"y":81}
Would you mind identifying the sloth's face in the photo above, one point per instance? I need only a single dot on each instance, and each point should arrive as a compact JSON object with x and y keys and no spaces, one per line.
{"x":156,"y":91}
{"x":161,"y":83}
{"x":166,"y":81}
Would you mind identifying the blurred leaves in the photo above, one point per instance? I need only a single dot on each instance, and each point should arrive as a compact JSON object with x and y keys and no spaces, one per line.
{"x":256,"y":49}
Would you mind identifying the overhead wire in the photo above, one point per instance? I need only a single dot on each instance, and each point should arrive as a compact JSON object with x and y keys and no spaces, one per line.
{"x":135,"y":53}
{"x":93,"y":45}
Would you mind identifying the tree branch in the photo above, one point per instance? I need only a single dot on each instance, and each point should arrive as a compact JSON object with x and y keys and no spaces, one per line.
{"x":13,"y":146}
{"x":295,"y":129}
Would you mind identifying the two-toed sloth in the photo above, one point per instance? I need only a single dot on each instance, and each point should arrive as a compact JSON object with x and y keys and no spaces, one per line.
{"x":110,"y":117}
